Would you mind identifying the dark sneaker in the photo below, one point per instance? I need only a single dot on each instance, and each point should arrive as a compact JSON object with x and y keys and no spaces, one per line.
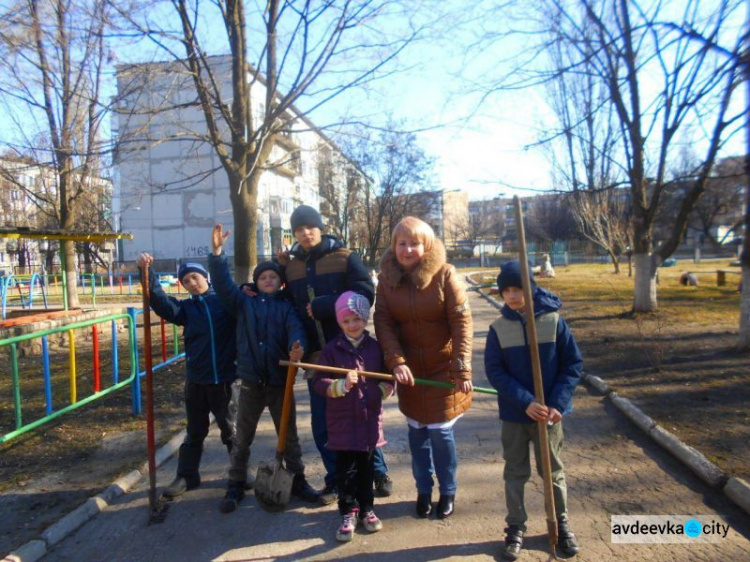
{"x":513,"y":542}
{"x":328,"y":495}
{"x":383,"y":486}
{"x":179,"y":486}
{"x":233,"y":497}
{"x":566,"y":540}
{"x":301,"y":489}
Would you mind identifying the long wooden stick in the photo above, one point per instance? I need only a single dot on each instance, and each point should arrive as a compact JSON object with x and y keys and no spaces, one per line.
{"x":536,"y":369}
{"x":375,"y":375}
{"x":150,"y":444}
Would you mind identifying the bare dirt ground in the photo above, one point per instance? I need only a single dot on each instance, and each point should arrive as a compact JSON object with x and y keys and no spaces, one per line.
{"x":686,"y":376}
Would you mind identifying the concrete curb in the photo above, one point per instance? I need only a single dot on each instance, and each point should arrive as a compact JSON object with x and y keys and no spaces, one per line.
{"x":736,"y":489}
{"x":699,"y":464}
{"x":37,"y":548}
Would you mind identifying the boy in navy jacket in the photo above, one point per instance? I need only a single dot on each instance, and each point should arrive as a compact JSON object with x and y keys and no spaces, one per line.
{"x":209,"y":364}
{"x":268,"y":330}
{"x":508,"y":367}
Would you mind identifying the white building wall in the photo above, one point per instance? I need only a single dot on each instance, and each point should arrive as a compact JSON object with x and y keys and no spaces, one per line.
{"x":169,"y":197}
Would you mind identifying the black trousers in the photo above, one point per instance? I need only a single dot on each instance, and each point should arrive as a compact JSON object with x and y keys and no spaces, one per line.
{"x":200,"y":401}
{"x":355,"y":476}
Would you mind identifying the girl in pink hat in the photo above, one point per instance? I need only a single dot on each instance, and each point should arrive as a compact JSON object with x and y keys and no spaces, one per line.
{"x":354,"y":412}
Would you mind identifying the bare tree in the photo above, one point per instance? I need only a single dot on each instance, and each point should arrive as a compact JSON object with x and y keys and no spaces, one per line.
{"x":308,"y":52}
{"x":341,"y":188}
{"x":53,"y":59}
{"x":550,"y":219}
{"x":663,"y":88}
{"x":398,"y":168}
{"x":721,"y":204}
{"x":584,"y":150}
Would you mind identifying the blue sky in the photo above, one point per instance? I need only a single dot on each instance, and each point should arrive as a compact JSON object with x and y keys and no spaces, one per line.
{"x":479,"y":148}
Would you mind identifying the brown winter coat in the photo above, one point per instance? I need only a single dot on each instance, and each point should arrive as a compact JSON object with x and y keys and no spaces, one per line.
{"x":422,"y":318}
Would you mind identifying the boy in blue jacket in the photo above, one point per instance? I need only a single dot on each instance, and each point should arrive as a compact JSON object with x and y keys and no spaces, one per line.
{"x":507,"y":364}
{"x":209,"y":364}
{"x":268,"y":330}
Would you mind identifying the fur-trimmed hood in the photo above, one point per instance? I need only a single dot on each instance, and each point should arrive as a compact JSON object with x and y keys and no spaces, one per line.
{"x":432,"y":261}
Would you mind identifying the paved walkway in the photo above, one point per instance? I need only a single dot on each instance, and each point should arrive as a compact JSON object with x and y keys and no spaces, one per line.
{"x":612,"y":468}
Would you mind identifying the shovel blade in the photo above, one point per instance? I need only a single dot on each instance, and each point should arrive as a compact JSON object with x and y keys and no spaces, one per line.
{"x":273,"y":485}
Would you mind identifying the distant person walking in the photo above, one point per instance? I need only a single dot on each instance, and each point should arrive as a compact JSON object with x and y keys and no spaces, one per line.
{"x":423,"y":323}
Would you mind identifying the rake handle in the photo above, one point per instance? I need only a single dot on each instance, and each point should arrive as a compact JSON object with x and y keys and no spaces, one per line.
{"x":383,"y":376}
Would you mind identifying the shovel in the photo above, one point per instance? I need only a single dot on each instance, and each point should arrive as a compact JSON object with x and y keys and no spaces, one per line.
{"x":273,"y":483}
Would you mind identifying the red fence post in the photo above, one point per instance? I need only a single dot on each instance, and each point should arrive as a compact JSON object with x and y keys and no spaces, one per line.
{"x":97,"y":371}
{"x":163,"y":340}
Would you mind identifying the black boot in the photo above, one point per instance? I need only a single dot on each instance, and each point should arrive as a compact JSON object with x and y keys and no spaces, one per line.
{"x":188,"y":463}
{"x":513,"y":542}
{"x":233,"y":497}
{"x":301,"y":489}
{"x":328,"y":495}
{"x":566,"y":540}
{"x":445,"y":506}
{"x":424,"y":505}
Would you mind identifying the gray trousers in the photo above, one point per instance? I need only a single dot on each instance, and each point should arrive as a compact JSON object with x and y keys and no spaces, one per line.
{"x":252,"y":400}
{"x":516,"y":438}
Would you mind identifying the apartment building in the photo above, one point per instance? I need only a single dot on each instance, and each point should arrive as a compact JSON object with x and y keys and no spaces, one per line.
{"x":171,"y":188}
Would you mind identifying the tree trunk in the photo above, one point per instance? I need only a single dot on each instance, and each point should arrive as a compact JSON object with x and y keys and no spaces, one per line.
{"x":743,"y":341}
{"x":644,"y":295}
{"x":71,"y":277}
{"x":615,"y":262}
{"x":244,"y":211}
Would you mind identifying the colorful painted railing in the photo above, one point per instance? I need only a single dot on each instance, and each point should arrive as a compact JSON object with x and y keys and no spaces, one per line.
{"x":51,"y":412}
{"x":20,"y":284}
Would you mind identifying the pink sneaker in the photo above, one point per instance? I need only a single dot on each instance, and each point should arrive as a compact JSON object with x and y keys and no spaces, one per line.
{"x":345,"y":532}
{"x":371,"y":522}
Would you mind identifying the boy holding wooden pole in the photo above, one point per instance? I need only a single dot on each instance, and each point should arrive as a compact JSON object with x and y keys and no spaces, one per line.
{"x":509,"y":370}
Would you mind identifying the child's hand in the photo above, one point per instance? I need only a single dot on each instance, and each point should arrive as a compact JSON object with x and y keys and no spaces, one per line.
{"x":144,"y":260}
{"x":282,"y":255}
{"x":386,"y":389}
{"x":403,"y":375}
{"x":554,"y":416}
{"x":351,"y":379}
{"x":218,"y":237}
{"x":296,"y":353}
{"x":537,"y":412}
{"x":245,"y":288}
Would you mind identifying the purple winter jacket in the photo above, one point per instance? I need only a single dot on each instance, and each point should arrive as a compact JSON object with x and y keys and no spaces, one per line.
{"x":355,"y":420}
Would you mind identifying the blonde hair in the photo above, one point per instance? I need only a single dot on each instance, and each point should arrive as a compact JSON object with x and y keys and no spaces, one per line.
{"x":412,"y":227}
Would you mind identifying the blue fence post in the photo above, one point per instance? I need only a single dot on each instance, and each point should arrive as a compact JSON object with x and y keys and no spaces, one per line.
{"x":115,"y":354}
{"x":47,"y":376}
{"x":132,"y":312}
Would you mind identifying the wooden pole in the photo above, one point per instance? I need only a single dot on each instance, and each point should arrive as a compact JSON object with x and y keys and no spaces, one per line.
{"x":150,"y":445}
{"x":536,"y":368}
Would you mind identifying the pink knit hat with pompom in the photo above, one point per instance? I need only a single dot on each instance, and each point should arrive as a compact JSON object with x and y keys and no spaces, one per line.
{"x":352,"y":303}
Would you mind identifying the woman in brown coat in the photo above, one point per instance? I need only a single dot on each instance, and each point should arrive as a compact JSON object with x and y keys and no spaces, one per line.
{"x":423,"y":323}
